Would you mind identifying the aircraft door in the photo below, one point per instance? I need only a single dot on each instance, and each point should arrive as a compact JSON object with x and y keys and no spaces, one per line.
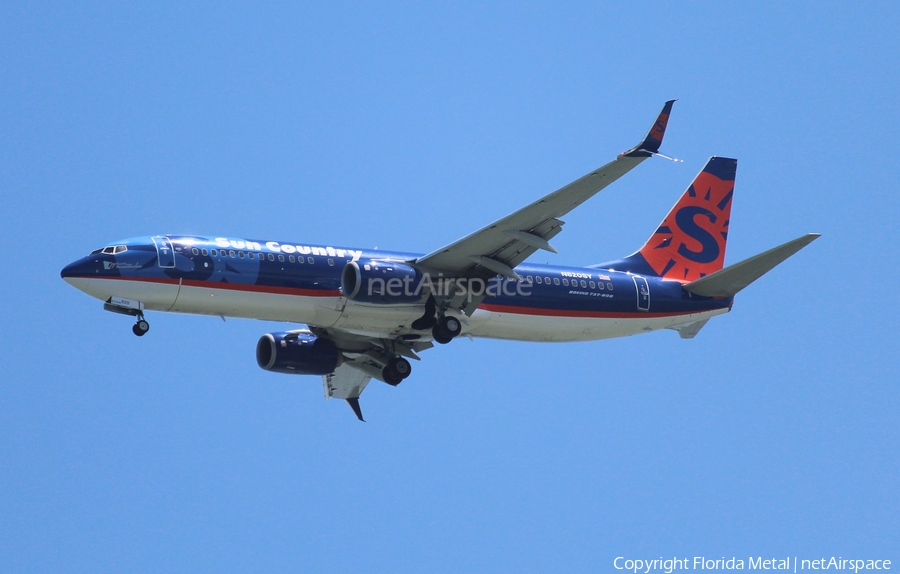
{"x":643,"y":292}
{"x":165,"y":253}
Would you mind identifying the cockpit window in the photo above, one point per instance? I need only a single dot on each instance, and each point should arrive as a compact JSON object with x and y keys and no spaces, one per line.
{"x":111,"y":250}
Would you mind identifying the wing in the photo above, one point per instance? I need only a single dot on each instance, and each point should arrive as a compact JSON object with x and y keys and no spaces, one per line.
{"x":363,"y":359}
{"x":495,"y":249}
{"x":499,"y":247}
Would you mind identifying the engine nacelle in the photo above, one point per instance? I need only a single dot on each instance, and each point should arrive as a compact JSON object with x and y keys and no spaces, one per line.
{"x":382,"y":282}
{"x":296,"y":352}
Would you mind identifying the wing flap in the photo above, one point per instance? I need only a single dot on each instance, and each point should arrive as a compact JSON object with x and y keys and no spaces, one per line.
{"x":346,"y":383}
{"x":519,"y":249}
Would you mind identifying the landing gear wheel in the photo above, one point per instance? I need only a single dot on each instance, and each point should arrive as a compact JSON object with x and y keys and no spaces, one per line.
{"x":446,"y":329}
{"x":400,"y":366}
{"x":140,"y":328}
{"x":451,"y":325}
{"x":440,"y":336}
{"x":390,"y":377}
{"x":396,"y":370}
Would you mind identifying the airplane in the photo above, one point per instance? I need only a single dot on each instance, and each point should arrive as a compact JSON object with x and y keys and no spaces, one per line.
{"x":366,"y":312}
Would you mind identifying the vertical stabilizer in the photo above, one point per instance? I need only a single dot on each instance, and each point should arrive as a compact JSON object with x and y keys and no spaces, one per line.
{"x":690,"y":242}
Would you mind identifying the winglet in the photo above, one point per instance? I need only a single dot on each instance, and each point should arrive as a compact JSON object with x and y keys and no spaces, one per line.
{"x":651,"y":143}
{"x":354,"y":404}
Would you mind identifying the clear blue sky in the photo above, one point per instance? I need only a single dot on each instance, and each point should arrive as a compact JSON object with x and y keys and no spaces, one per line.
{"x":774,"y":432}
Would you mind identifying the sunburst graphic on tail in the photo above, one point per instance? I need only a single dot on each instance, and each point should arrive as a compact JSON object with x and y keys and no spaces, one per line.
{"x":690,"y":242}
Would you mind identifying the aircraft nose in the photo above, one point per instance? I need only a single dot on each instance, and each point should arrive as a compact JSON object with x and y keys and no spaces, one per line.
{"x":67,"y":271}
{"x":74,"y":269}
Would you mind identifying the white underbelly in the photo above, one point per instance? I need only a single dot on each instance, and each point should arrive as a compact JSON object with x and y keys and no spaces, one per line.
{"x":366,"y":319}
{"x":227,"y":302}
{"x":319,"y":311}
{"x":156,"y":296}
{"x":523,"y":327}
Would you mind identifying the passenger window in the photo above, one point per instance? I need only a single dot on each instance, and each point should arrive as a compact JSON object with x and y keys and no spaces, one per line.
{"x":214,"y":253}
{"x":231,"y":253}
{"x":195,"y":251}
{"x":609,"y":286}
{"x":271,"y":257}
{"x":538,"y":279}
{"x":300,"y":260}
{"x":583,"y":284}
{"x":530,"y":279}
{"x":205,"y":253}
{"x":593,"y":285}
{"x":292,"y":258}
{"x":330,"y":262}
{"x":600,"y":285}
{"x":556,"y":280}
{"x":566,"y":282}
{"x":281,"y":258}
{"x":310,"y":260}
{"x":251,"y":255}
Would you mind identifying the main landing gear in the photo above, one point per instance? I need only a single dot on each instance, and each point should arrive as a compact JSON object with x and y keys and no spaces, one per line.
{"x":446,"y":328}
{"x":396,"y":370}
{"x":141,"y":327}
{"x":443,"y":327}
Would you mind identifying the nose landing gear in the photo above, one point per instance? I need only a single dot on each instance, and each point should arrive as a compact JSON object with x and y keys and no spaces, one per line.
{"x":128,"y":307}
{"x":141,"y":327}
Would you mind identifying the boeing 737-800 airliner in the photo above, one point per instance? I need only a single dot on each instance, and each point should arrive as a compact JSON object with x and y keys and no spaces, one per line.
{"x":367,"y":312}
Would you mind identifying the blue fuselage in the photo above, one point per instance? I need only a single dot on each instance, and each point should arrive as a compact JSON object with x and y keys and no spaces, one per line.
{"x":276,"y":280}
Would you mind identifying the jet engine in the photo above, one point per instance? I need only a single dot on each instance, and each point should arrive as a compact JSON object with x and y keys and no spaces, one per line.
{"x":296,"y":352}
{"x":382,"y":282}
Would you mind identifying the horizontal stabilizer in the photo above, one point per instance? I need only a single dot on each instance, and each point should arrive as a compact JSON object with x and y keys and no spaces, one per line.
{"x":727,"y":282}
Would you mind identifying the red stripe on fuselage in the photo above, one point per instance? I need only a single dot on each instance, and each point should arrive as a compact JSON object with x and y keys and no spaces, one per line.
{"x":494,"y":308}
{"x":229,"y":286}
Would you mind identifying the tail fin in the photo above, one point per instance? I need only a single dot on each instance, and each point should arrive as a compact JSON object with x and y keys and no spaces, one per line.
{"x":690,"y":242}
